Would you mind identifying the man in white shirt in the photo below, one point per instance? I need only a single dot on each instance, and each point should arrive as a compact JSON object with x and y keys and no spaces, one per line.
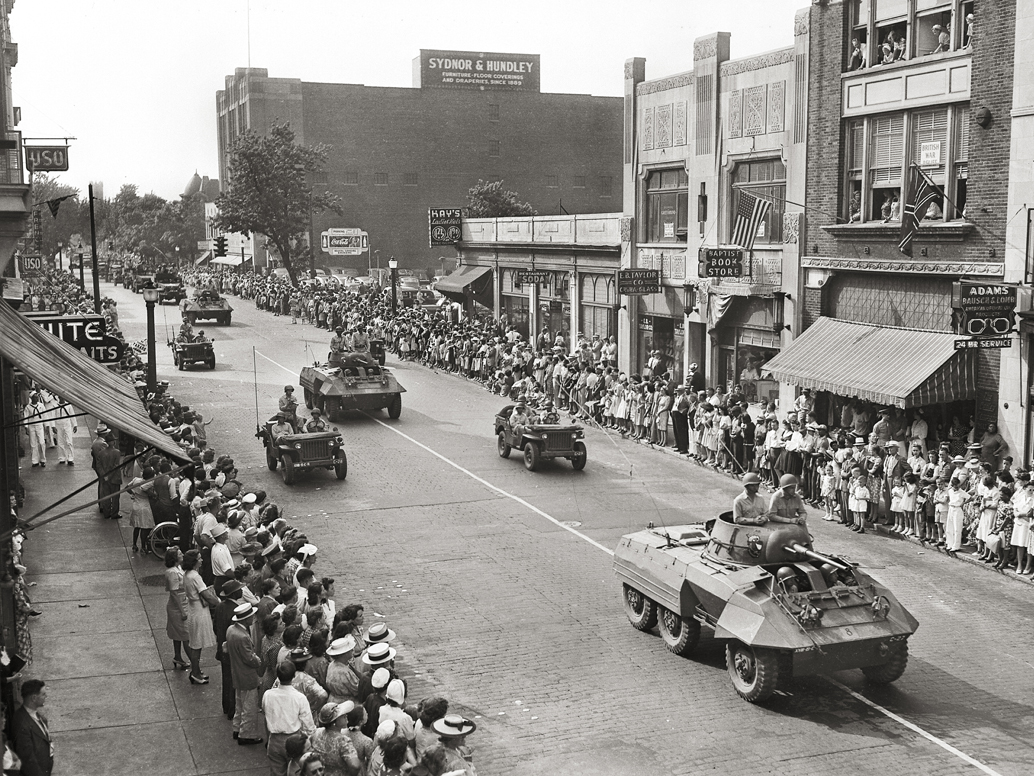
{"x":222,"y":558}
{"x":66,"y":427}
{"x":286,"y":711}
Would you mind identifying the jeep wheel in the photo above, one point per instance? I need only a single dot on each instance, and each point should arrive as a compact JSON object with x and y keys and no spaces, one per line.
{"x":502,"y":447}
{"x":271,"y":459}
{"x":754,"y":672}
{"x":680,"y":636}
{"x":641,"y":611}
{"x":395,"y":408}
{"x":288,"y":470}
{"x":892,"y":670}
{"x":580,"y":456}
{"x":341,"y":466}
{"x":211,"y":362}
{"x":531,"y":456}
{"x":181,"y":365}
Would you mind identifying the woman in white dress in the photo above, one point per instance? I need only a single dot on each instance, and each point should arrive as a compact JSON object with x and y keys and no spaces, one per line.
{"x":199,"y":619}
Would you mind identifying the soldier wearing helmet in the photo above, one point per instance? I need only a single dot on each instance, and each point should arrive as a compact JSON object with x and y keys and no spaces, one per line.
{"x":749,"y":507}
{"x":337,"y":342}
{"x":289,"y":406}
{"x":317,"y":423}
{"x":786,"y":505}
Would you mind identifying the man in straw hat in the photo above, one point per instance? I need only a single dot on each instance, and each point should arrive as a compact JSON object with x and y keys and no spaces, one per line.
{"x":245,"y":670}
{"x":452,"y":730}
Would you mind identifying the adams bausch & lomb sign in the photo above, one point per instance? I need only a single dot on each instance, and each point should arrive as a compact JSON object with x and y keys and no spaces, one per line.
{"x":478,"y":70}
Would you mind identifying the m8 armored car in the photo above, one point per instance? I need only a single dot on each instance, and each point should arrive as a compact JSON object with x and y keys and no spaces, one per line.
{"x":782,"y":609}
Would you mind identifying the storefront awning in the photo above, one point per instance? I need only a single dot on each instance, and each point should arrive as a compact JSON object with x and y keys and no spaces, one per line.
{"x":901,"y":367}
{"x":466,"y":282}
{"x":203,"y":258}
{"x":78,"y":379}
{"x":228,"y":261}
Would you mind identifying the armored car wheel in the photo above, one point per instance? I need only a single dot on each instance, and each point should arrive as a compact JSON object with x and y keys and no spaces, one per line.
{"x":531,"y":456}
{"x":288,"y":470}
{"x":395,"y":408}
{"x":341,"y":466}
{"x":680,"y":636}
{"x":754,"y":672}
{"x":892,"y":670}
{"x":641,"y":611}
{"x":308,"y":398}
{"x":580,"y":456}
{"x":501,"y":446}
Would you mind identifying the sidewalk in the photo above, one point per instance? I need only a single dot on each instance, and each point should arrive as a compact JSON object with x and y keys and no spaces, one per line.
{"x":115,"y":704}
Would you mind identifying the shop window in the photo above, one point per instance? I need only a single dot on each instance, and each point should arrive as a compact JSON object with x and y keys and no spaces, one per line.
{"x":964,"y":33}
{"x":667,"y":206}
{"x":957,"y":203}
{"x":858,"y":48}
{"x":886,"y":152}
{"x":855,"y":160}
{"x":380,"y":179}
{"x":764,"y":179}
{"x":932,"y":29}
{"x":930,"y":151}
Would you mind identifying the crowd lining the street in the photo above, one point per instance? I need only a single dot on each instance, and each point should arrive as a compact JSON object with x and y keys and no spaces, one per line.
{"x":316,"y":677}
{"x":945,"y":487}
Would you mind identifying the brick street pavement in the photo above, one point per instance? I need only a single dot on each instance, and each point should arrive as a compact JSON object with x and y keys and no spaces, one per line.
{"x":520,"y":623}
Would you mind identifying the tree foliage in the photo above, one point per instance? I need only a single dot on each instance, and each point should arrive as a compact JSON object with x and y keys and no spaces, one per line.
{"x":268,"y":190}
{"x":490,"y":200}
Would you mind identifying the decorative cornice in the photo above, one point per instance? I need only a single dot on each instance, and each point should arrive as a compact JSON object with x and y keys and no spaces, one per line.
{"x":664,"y":84}
{"x":800,"y":22}
{"x":770,"y":59}
{"x":957,"y":268}
{"x":705,"y":48}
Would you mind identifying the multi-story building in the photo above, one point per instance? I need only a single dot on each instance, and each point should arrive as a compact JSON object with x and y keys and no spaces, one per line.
{"x":902,"y":94}
{"x":697,"y":145}
{"x":396,"y":152}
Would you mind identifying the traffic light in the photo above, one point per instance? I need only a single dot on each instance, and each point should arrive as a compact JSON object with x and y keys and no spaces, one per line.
{"x":220,"y":245}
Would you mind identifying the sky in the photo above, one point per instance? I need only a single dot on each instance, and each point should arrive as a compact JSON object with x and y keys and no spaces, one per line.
{"x":134,"y":81}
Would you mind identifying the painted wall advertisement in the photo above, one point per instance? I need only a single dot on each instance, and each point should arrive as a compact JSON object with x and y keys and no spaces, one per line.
{"x":474,"y":70}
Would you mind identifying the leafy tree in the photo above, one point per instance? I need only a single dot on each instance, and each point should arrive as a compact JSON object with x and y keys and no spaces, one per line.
{"x":268,"y":190}
{"x":491,"y":200}
{"x":73,"y":215}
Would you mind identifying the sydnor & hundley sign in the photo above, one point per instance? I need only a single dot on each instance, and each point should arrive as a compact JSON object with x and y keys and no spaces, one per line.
{"x":473,"y":70}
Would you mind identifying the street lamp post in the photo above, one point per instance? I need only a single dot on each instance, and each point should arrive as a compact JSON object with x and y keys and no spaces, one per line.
{"x":82,"y":275}
{"x":60,"y":256}
{"x":394,"y":267}
{"x":150,"y":297}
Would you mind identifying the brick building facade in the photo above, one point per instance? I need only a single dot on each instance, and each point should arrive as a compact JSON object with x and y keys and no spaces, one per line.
{"x":897,"y":84}
{"x":395,"y":152}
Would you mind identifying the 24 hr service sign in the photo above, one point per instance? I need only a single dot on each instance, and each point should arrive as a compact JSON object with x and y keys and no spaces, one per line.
{"x":478,"y":70}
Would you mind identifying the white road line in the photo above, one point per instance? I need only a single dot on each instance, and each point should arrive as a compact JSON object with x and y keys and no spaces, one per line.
{"x":496,"y":488}
{"x":289,"y":371}
{"x":858,"y":696}
{"x":915,"y":728}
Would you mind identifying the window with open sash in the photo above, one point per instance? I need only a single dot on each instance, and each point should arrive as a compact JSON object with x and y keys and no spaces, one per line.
{"x":667,"y":206}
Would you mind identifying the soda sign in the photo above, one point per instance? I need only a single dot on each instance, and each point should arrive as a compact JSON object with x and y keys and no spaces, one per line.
{"x":46,"y":158}
{"x":344,"y":242}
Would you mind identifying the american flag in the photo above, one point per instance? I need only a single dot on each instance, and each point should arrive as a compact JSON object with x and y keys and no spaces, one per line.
{"x":923,"y":192}
{"x":750,"y":213}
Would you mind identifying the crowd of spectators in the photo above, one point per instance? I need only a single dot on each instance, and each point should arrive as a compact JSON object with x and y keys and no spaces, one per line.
{"x":319,"y":680}
{"x":874,"y":452}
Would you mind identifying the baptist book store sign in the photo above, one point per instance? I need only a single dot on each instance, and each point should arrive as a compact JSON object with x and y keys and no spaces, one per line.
{"x":473,"y":70}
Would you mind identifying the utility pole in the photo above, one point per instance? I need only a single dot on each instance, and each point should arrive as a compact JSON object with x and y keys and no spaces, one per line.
{"x":93,"y":245}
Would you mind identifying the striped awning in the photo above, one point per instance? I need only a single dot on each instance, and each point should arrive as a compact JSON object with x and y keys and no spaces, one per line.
{"x":900,"y":367}
{"x":467,"y":281}
{"x":78,"y":379}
